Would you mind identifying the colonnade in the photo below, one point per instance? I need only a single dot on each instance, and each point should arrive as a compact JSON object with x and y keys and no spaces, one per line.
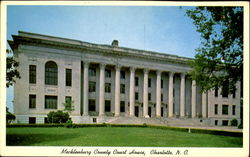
{"x":145,"y":93}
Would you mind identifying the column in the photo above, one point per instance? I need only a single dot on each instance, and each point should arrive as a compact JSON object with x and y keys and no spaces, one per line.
{"x":132,"y":92}
{"x":86,"y":89}
{"x":101,"y":89}
{"x":145,"y":94}
{"x":170,"y":94}
{"x":182,"y":96}
{"x":117,"y":90}
{"x":204,"y":105}
{"x":193,"y":103}
{"x":158,"y":94}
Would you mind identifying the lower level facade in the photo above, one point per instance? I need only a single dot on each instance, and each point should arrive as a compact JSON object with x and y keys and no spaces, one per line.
{"x":108,"y":83}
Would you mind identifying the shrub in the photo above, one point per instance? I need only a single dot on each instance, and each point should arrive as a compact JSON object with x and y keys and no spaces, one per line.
{"x":9,"y":116}
{"x":69,"y":124}
{"x":58,"y":117}
{"x":234,"y":122}
{"x":241,"y":125}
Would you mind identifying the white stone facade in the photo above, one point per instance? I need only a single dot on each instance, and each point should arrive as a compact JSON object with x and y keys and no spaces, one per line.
{"x":156,"y":85}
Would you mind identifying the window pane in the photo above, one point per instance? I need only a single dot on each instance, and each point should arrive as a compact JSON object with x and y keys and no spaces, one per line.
{"x":107,"y":87}
{"x":32,"y":74}
{"x":68,"y":77}
{"x":51,"y":73}
{"x":107,"y":106}
{"x":50,"y":102}
{"x":32,"y":101}
{"x":225,"y":109}
{"x":122,"y":74}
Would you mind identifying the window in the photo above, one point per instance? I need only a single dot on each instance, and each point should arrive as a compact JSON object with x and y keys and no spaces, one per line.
{"x":108,"y":73}
{"x":122,"y":106}
{"x":32,"y":120}
{"x":149,"y":82}
{"x":107,"y":87}
{"x":136,"y":81}
{"x":92,"y":72}
{"x":233,"y":110}
{"x":91,"y":105}
{"x":136,"y":96}
{"x":32,"y":74}
{"x":162,"y":111}
{"x":149,"y":96}
{"x":123,"y":75}
{"x":234,"y":92}
{"x":161,"y":83}
{"x":51,"y":73}
{"x":225,"y":122}
{"x":46,"y":120}
{"x":68,"y":77}
{"x":216,"y":122}
{"x":225,"y":109}
{"x":91,"y":86}
{"x":68,"y":99}
{"x":50,"y":102}
{"x":161,"y":97}
{"x":122,"y":88}
{"x":107,"y":106}
{"x":32,"y":101}
{"x":216,"y":92}
{"x":173,"y":92}
{"x":216,"y":109}
{"x":225,"y":89}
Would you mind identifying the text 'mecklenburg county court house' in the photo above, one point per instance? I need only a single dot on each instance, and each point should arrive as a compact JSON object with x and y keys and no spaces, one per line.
{"x":112,"y":84}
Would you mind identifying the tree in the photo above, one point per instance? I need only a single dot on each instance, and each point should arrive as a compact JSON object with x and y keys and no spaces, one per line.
{"x":9,"y":116}
{"x":11,"y":69}
{"x":219,"y":59}
{"x":69,"y":105}
{"x":58,"y":117}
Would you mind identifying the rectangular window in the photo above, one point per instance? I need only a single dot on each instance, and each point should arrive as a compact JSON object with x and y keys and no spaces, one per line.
{"x":161,"y":97}
{"x":122,"y":106}
{"x":225,"y":122}
{"x":107,"y":87}
{"x":91,"y":86}
{"x":233,"y":109}
{"x":225,"y":109}
{"x":149,"y":82}
{"x":50,"y":102}
{"x":225,"y":89}
{"x":136,"y":81}
{"x":107,"y":73}
{"x":216,"y":109}
{"x":46,"y":120}
{"x":32,"y":120}
{"x":107,"y":106}
{"x":162,"y":111}
{"x":32,"y":74}
{"x":216,"y":122}
{"x":136,"y":96}
{"x":216,"y":92}
{"x":234,"y":92}
{"x":122,"y":89}
{"x":68,"y":77}
{"x":68,"y":99}
{"x":91,"y":105}
{"x":149,"y":96}
{"x":161,"y":83}
{"x":92,"y":72}
{"x":32,"y":101}
{"x":123,"y":75}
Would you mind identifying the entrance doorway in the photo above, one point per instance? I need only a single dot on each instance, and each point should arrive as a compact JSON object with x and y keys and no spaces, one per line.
{"x":136,"y":111}
{"x":149,"y":111}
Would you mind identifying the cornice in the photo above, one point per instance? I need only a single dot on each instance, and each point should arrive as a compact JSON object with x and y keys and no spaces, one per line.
{"x":56,"y":42}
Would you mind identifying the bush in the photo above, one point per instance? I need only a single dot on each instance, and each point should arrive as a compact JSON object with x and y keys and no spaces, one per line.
{"x":58,"y":117}
{"x":234,"y":122}
{"x":241,"y":125}
{"x":69,"y":124}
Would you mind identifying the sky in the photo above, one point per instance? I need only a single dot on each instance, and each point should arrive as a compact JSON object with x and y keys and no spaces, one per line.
{"x":164,"y":29}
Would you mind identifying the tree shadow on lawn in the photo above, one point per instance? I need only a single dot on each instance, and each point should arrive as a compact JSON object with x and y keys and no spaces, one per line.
{"x":32,"y":139}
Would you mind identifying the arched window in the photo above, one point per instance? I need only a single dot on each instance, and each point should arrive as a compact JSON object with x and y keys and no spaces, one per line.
{"x":51,"y":73}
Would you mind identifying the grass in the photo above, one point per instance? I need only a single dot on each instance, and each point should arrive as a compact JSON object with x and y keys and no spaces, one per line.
{"x":115,"y":136}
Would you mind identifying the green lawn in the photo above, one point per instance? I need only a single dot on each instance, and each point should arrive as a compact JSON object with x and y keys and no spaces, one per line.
{"x":115,"y":136}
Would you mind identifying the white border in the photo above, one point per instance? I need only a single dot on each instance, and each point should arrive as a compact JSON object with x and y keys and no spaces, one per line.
{"x":55,"y":151}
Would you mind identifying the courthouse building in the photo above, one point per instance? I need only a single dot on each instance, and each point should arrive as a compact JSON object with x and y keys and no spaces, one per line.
{"x":109,"y":82}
